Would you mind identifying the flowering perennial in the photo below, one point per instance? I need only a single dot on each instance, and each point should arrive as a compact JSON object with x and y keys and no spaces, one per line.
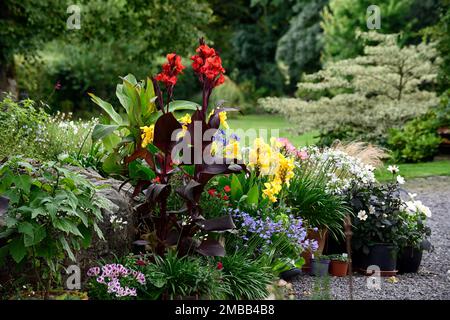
{"x":266,"y":229}
{"x":111,"y":274}
{"x":170,"y":71}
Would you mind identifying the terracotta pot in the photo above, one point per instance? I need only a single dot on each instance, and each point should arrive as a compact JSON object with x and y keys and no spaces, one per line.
{"x":338,"y":268}
{"x":320,"y":236}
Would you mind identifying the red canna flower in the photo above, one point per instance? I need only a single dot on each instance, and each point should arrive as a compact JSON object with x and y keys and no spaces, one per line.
{"x":219,"y":265}
{"x":208,"y":66}
{"x":212,"y":192}
{"x":170,"y":70}
{"x":227,"y":189}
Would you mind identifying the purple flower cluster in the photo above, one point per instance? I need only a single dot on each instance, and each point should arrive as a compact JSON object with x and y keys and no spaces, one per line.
{"x":266,"y":229}
{"x":110,"y":276}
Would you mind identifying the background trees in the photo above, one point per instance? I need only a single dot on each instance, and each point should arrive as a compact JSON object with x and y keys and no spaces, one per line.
{"x":363,"y":97}
{"x":266,"y":45}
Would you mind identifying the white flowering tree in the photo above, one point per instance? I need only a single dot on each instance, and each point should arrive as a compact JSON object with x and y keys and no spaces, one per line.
{"x":363,"y":97}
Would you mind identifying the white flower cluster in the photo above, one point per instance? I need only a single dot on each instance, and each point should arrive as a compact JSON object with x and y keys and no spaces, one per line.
{"x":117,"y":222}
{"x":415,"y":206}
{"x":342,"y":170}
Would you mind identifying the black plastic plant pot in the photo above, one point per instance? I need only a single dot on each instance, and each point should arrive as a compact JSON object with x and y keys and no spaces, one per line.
{"x":409,"y":259}
{"x":290,"y":274}
{"x":382,"y":255}
{"x":319,"y":267}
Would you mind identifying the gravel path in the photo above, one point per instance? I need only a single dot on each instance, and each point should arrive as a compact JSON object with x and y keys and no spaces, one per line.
{"x":433,"y":279}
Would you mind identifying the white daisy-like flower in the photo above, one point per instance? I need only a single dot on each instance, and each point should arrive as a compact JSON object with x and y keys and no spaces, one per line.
{"x":423,"y":208}
{"x":362,"y":215}
{"x":371,"y":209}
{"x":400,"y":179}
{"x":393,"y":169}
{"x":412,"y":195}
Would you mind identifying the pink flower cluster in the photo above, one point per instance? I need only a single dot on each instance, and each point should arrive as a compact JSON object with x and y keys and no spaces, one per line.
{"x":111,"y":274}
{"x":290,"y":149}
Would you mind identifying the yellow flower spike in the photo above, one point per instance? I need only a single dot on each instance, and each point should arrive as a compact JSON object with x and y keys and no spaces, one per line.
{"x":223,"y":119}
{"x":185,"y":120}
{"x":147,"y":135}
{"x":232,"y":150}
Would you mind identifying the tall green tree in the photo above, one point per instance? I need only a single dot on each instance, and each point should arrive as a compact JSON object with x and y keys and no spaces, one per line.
{"x":363,"y":97}
{"x":130,"y":30}
{"x":299,"y":49}
{"x":343,"y":18}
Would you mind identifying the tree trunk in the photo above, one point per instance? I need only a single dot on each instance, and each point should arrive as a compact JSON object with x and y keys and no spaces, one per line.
{"x":8,"y":81}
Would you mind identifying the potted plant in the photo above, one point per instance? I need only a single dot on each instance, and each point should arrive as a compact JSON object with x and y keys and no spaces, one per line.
{"x":339,"y":265}
{"x":415,"y":235}
{"x":377,"y":225}
{"x":320,"y":265}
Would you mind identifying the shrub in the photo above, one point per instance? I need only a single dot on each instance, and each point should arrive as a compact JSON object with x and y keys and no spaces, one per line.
{"x":51,"y":213}
{"x":27,"y":129}
{"x":349,"y":100}
{"x":416,"y":141}
{"x":230,"y":93}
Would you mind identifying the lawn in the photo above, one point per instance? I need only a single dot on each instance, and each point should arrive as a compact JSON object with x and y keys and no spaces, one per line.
{"x":416,"y":170}
{"x":272,"y":122}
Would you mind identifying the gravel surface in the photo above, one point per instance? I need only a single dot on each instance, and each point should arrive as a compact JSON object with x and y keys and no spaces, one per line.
{"x":433,"y":279}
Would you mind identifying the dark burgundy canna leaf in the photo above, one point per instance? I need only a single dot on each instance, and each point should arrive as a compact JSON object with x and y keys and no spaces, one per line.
{"x":214,"y":119}
{"x":211,"y":248}
{"x":223,"y":223}
{"x":164,"y":128}
{"x":157,"y":192}
{"x":192,"y":191}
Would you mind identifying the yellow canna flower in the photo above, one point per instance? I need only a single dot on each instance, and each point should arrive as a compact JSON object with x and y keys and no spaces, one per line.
{"x":232,"y":150}
{"x":273,"y":188}
{"x":260,"y":157}
{"x":223,"y":119}
{"x":285,"y":169}
{"x":147,"y":135}
{"x":186,"y":119}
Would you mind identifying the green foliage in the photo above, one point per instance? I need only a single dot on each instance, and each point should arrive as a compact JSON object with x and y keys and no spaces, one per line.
{"x":382,"y":206}
{"x":417,"y":141}
{"x":230,"y":93}
{"x":362,"y":98}
{"x":298,"y":50}
{"x":52,"y":213}
{"x":116,"y":37}
{"x":246,"y":277}
{"x":308,"y":197}
{"x":27,"y":129}
{"x":176,"y":277}
{"x":321,"y":288}
{"x":122,"y":136}
{"x":342,"y":19}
